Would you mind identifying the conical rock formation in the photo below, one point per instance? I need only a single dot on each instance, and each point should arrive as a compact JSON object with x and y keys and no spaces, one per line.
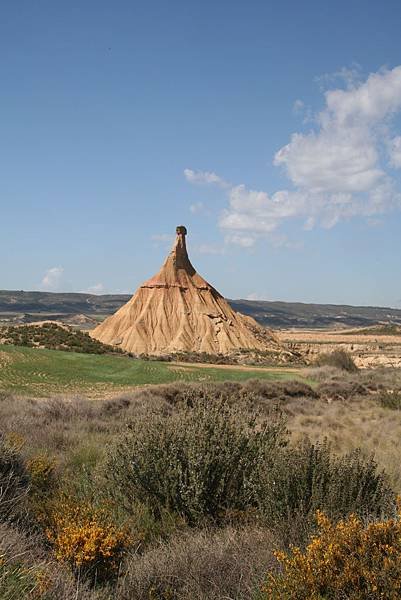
{"x":177,"y":310}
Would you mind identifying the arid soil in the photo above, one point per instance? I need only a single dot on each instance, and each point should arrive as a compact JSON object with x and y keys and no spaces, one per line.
{"x":367,"y":350}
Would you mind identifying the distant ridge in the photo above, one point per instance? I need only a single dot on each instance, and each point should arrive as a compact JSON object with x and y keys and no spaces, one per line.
{"x":30,"y":306}
{"x":279,"y":314}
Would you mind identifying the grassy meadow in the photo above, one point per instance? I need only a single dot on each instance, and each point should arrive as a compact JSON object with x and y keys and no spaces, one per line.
{"x":42,"y":372}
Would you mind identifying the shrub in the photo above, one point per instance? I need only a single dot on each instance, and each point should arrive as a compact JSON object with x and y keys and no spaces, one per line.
{"x":339,"y":359}
{"x":199,"y":463}
{"x":391,"y":399}
{"x":14,"y":479}
{"x":345,"y":560}
{"x":85,"y":537}
{"x":309,"y":477}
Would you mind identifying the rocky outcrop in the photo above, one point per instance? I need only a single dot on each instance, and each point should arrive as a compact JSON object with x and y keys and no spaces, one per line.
{"x":177,"y":310}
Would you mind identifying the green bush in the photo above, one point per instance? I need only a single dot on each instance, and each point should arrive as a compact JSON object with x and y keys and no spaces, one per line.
{"x":339,"y":359}
{"x":310,"y":477}
{"x":14,"y":479}
{"x":199,"y":463}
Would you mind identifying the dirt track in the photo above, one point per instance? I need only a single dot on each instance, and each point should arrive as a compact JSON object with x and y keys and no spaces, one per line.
{"x":236,"y":367}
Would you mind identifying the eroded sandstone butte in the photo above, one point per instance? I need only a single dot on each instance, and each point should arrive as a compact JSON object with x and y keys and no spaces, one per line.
{"x":177,"y":310}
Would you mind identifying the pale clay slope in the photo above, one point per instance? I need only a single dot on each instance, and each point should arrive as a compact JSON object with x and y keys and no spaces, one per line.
{"x":177,"y":310}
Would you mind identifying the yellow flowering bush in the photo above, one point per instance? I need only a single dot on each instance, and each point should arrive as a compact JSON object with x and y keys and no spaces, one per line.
{"x":344,"y":560}
{"x":86,"y":539}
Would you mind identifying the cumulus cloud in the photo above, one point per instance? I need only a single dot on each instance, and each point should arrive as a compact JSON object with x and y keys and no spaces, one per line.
{"x":52,"y":278}
{"x":350,"y":76}
{"x":338,"y":170}
{"x":205,"y":178}
{"x":338,"y":166}
{"x":245,"y":241}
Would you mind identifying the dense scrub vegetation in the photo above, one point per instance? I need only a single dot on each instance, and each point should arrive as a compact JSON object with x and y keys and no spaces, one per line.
{"x":198,"y":491}
{"x":340,"y":359}
{"x":286,"y":354}
{"x":54,"y":337}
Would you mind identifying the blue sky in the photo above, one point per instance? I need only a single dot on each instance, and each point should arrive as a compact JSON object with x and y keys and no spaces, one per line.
{"x":271,"y":130}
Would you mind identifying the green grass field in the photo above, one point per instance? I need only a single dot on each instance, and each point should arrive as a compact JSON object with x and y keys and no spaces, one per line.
{"x":44,"y":372}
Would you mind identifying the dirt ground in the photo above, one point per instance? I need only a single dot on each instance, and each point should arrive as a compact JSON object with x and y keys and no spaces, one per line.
{"x":369,"y":350}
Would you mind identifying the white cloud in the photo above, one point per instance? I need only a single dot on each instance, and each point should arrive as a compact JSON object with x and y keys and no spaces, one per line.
{"x":205,"y":178}
{"x":245,"y":241}
{"x":97,"y":288}
{"x":378,"y":97}
{"x":395,"y":152}
{"x":255,"y":296}
{"x":51,"y":279}
{"x":350,"y":76}
{"x":343,"y":155}
{"x":339,"y":169}
{"x":331,"y":161}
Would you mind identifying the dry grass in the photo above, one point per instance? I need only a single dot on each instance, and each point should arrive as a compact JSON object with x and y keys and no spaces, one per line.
{"x":349,"y":414}
{"x":64,"y":427}
{"x":204,"y":565}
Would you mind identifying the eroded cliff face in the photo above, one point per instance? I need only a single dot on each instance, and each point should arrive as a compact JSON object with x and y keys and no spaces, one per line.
{"x":177,"y":310}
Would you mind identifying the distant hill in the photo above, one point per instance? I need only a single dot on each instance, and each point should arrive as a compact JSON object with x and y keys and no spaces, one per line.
{"x":59,"y":303}
{"x":298,"y":314}
{"x":25,"y":307}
